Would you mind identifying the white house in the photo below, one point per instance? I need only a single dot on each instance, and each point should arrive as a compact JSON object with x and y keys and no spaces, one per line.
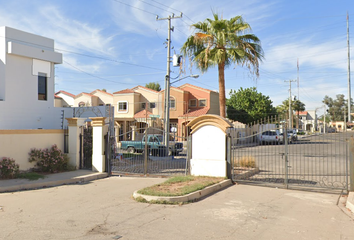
{"x":27,"y":81}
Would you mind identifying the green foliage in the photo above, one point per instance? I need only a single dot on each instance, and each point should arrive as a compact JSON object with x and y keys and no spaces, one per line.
{"x":296,"y":105}
{"x":247,"y":105}
{"x":30,"y":176}
{"x":49,"y":160}
{"x":336,"y":107}
{"x":8,"y":168}
{"x":221,"y":42}
{"x":153,"y":86}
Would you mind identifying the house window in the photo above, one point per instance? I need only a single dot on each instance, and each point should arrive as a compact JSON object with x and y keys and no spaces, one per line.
{"x":122,"y":106}
{"x":193,"y":102}
{"x":143,"y":105}
{"x":172,"y":102}
{"x":42,"y":86}
{"x":202,"y":103}
{"x":81,"y":104}
{"x":152,"y":105}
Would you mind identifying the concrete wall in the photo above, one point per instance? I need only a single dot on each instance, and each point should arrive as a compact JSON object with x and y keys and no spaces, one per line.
{"x":213,"y":161}
{"x":22,"y":57}
{"x":17,"y":144}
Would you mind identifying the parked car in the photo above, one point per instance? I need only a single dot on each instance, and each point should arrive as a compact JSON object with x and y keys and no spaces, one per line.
{"x":292,"y":135}
{"x":154,"y":144}
{"x":271,"y":137}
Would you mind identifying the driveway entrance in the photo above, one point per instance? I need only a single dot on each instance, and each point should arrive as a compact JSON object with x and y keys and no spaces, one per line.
{"x":314,"y":161}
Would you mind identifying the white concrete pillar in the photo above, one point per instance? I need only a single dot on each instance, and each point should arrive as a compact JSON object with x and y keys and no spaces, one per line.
{"x":98,"y":132}
{"x":133,"y":132}
{"x":74,"y":140}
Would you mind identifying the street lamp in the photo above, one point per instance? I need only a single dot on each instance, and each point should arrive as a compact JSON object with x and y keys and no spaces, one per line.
{"x":167,"y":106}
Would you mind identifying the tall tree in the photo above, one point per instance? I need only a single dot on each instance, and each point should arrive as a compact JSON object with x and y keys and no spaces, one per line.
{"x":336,"y":107}
{"x":153,"y":86}
{"x":296,"y":105}
{"x":248,"y":105}
{"x":219,"y":42}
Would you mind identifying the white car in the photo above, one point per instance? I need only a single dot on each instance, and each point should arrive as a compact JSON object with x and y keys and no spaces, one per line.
{"x":271,"y":137}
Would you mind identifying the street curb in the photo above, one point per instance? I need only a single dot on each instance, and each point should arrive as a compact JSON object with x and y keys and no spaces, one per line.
{"x":189,"y":197}
{"x":350,"y":201}
{"x":30,"y":186}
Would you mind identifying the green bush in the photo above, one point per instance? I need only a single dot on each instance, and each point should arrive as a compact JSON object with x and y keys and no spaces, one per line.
{"x":8,"y":168}
{"x":49,"y":160}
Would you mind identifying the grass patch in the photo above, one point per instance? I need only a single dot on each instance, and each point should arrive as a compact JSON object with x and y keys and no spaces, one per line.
{"x":30,"y":176}
{"x":179,"y":186}
{"x":245,"y":161}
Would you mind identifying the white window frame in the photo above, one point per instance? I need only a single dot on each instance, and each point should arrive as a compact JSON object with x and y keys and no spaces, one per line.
{"x":202,"y":100}
{"x":174,"y":103}
{"x":191,"y":101}
{"x":124,"y":110}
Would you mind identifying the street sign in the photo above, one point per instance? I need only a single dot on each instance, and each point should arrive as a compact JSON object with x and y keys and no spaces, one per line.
{"x":154,"y":116}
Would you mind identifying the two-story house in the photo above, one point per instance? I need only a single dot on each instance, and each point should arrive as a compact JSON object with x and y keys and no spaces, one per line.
{"x":27,"y":69}
{"x":188,"y":102}
{"x":135,"y":109}
{"x":308,"y":120}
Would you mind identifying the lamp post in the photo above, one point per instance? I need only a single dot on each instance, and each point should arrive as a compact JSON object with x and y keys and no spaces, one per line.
{"x":167,"y":107}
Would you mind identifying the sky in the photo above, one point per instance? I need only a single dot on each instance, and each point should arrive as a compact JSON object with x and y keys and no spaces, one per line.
{"x":119,"y":44}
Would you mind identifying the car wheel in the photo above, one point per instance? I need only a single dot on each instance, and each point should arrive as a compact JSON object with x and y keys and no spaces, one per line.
{"x":131,"y":150}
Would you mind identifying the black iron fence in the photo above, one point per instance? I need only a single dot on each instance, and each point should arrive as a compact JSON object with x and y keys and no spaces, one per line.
{"x":147,"y":153}
{"x":270,"y":154}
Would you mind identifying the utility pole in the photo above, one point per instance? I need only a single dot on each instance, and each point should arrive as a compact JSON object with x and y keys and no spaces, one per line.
{"x":290,"y":100}
{"x":349,"y":85}
{"x":298,"y":94}
{"x":167,"y":80}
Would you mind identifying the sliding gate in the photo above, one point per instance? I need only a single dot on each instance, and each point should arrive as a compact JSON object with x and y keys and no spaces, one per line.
{"x":313,"y":161}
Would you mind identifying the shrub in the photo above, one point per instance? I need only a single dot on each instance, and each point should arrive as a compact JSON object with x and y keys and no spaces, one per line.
{"x":8,"y":168}
{"x":49,"y":160}
{"x":246,"y":161}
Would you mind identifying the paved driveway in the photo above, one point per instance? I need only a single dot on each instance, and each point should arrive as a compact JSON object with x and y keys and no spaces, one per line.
{"x":103,"y":209}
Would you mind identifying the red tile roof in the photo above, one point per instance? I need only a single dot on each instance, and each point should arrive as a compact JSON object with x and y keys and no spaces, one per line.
{"x":124,"y":91}
{"x":302,"y":113}
{"x":139,"y":86}
{"x":142,"y":114}
{"x":67,"y":93}
{"x":56,"y":96}
{"x":193,"y":86}
{"x":196,"y":113}
{"x":83,"y":93}
{"x":98,"y":90}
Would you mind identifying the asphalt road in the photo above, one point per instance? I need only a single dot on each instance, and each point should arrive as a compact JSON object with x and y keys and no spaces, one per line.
{"x":104,"y":209}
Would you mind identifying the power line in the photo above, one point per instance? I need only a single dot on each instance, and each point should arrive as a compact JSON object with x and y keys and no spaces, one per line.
{"x":92,"y":75}
{"x":154,"y":6}
{"x":135,"y":7}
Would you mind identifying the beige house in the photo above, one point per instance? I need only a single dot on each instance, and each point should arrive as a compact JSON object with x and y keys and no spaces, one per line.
{"x":135,"y":109}
{"x":139,"y":107}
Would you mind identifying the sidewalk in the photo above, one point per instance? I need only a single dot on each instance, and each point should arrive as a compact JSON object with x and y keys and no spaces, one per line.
{"x":50,"y":180}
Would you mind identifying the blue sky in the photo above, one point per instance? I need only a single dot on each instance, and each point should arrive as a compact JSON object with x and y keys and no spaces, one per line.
{"x":118,"y":44}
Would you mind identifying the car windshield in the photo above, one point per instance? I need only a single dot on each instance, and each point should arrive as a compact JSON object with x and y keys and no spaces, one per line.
{"x":160,"y":138}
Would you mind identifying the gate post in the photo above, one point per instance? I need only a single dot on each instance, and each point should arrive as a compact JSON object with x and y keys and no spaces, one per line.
{"x":98,"y":132}
{"x":351,"y":164}
{"x":209,"y":146}
{"x":74,"y":140}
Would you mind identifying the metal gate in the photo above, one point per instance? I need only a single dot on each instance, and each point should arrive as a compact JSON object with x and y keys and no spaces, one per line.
{"x":303,"y":160}
{"x":86,"y":147}
{"x":134,"y":155}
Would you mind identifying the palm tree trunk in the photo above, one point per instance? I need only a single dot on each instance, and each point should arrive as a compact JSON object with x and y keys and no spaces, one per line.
{"x":222,"y":100}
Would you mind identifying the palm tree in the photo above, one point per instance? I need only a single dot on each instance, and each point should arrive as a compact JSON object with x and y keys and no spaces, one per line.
{"x":220,"y":42}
